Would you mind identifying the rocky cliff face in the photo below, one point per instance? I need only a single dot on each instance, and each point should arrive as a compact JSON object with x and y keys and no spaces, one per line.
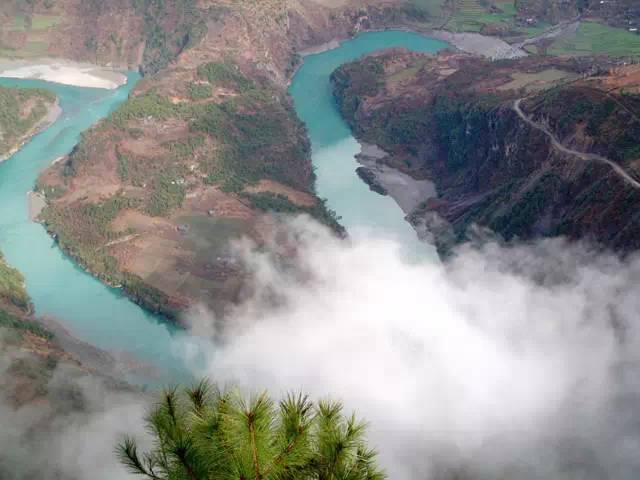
{"x":545,"y":173}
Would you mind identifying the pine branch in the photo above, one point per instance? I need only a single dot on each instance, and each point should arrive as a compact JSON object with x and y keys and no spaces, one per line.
{"x":296,"y":421}
{"x":199,"y":396}
{"x":254,"y":448}
{"x":127,"y":453}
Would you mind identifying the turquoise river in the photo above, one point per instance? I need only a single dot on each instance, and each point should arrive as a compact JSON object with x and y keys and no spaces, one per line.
{"x":102,"y":316}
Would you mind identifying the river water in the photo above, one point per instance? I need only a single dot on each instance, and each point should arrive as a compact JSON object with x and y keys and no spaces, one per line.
{"x":102,"y":316}
{"x":333,"y":145}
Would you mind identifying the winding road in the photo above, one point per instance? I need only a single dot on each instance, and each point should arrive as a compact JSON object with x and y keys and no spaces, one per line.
{"x":582,"y":155}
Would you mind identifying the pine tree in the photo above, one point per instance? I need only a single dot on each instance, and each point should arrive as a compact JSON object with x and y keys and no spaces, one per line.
{"x":203,"y":433}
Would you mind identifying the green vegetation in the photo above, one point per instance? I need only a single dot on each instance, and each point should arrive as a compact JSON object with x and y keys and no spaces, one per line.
{"x":148,"y":104}
{"x":19,"y":23}
{"x":432,"y":8}
{"x":23,"y":325}
{"x":272,"y":202}
{"x":43,"y":22}
{"x":123,"y":165}
{"x":12,"y":288}
{"x":168,"y":191}
{"x":23,"y":23}
{"x":83,"y":230}
{"x":595,"y":38}
{"x":20,"y":111}
{"x":255,"y":140}
{"x":526,"y":209}
{"x":356,"y":80}
{"x":170,"y":27}
{"x":199,"y":91}
{"x":147,"y":296}
{"x":202,"y":433}
{"x":476,"y":15}
{"x":607,"y":118}
{"x":225,"y":74}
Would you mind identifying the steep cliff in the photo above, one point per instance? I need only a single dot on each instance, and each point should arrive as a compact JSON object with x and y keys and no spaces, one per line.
{"x":562,"y":160}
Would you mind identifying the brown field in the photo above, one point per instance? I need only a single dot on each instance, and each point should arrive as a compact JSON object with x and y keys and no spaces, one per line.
{"x":532,"y":82}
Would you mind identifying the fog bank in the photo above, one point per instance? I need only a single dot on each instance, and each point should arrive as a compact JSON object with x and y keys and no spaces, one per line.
{"x":503,"y":363}
{"x":518,"y":361}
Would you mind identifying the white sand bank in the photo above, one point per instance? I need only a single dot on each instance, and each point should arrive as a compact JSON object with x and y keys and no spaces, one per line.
{"x":62,"y":71}
{"x":477,"y":44}
{"x":36,"y":203}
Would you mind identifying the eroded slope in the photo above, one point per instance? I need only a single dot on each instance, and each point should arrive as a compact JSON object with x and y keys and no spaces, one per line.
{"x":451,"y":118}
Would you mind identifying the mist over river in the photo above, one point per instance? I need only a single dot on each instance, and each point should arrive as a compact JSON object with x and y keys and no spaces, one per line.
{"x":103,"y":316}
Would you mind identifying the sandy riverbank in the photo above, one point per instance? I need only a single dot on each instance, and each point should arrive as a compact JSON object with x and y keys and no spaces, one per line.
{"x":477,"y":44}
{"x":35,"y":204}
{"x":407,"y":192}
{"x":474,"y":43}
{"x":323,"y":47}
{"x":109,"y":363}
{"x":63,"y":71}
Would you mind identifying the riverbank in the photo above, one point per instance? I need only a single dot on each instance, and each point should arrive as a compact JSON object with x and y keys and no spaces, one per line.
{"x":407,"y":191}
{"x":474,"y":43}
{"x":115,"y":364}
{"x":36,"y":203}
{"x":64,"y":72}
{"x":477,"y":44}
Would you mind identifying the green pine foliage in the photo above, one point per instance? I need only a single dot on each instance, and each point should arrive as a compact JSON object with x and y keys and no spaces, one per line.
{"x":203,"y":433}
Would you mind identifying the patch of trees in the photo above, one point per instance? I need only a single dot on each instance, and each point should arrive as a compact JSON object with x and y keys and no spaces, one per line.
{"x":15,"y":120}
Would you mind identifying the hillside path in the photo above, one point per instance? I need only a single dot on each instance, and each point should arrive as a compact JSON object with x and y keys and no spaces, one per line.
{"x":582,"y":155}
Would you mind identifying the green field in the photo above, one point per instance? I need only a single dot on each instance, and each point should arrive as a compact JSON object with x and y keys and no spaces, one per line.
{"x":596,"y":38}
{"x":433,"y":8}
{"x":22,"y":23}
{"x":473,"y":15}
{"x":19,"y":23}
{"x":43,"y":22}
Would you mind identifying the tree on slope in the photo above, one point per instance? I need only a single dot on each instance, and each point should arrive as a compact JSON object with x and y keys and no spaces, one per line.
{"x":205,"y":434}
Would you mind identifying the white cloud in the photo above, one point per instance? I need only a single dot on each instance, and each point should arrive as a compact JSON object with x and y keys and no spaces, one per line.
{"x":503,"y":363}
{"x":503,"y":359}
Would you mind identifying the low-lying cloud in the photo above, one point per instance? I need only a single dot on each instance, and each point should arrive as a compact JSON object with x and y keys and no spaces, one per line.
{"x":514,"y":362}
{"x":506,"y":361}
{"x":71,"y":433}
